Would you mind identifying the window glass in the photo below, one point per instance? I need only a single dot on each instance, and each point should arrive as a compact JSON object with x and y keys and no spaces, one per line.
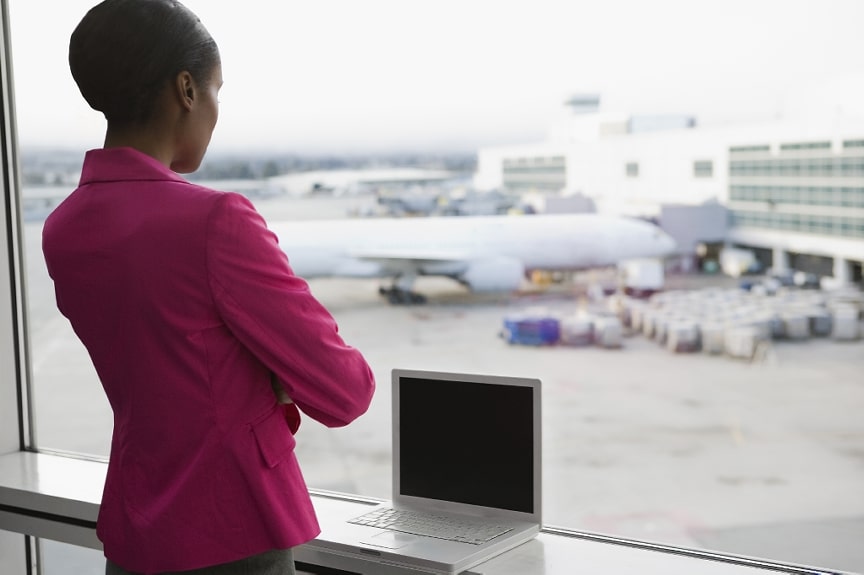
{"x":60,"y":558}
{"x":360,"y":110}
{"x":57,"y":558}
{"x":13,"y":558}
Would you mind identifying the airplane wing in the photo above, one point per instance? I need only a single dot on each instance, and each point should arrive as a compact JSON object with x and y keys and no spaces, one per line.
{"x":409,"y":255}
{"x":481,"y":273}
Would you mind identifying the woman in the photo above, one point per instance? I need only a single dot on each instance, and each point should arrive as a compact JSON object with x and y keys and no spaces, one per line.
{"x":190,"y":312}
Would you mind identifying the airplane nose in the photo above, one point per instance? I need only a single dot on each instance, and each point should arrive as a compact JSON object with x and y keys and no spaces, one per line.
{"x":667,"y":243}
{"x":663,"y":243}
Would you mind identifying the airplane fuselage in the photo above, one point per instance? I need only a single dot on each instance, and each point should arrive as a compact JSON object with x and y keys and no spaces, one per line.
{"x":477,"y":250}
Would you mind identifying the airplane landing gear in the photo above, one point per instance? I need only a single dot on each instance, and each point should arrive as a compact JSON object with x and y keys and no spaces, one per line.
{"x":399,"y":296}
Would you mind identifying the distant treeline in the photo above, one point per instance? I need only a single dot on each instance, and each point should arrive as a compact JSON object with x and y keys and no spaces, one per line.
{"x":221,"y":167}
{"x":49,"y":167}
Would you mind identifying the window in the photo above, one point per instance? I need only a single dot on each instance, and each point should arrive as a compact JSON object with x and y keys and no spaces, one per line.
{"x":852,"y":167}
{"x":805,"y":146}
{"x":804,"y":171}
{"x":703,"y":169}
{"x":633,"y":436}
{"x":735,"y":150}
{"x":12,"y":552}
{"x":540,"y":173}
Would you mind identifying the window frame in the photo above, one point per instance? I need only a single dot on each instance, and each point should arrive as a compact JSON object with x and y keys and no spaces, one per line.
{"x":52,"y":514}
{"x":16,"y":433}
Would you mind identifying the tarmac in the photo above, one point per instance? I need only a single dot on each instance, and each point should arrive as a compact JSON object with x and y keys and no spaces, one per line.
{"x":763,"y":459}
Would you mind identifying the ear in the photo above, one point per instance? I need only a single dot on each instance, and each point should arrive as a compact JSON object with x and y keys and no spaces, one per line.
{"x":184,"y":87}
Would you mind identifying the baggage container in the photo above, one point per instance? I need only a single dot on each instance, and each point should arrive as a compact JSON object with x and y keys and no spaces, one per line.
{"x":847,"y":297}
{"x":821,"y":322}
{"x":576,"y":330}
{"x":531,"y":330}
{"x":661,"y":327}
{"x":778,"y":326}
{"x":637,"y":315}
{"x":712,"y":338}
{"x":763,"y":326}
{"x":649,"y":323}
{"x":796,"y":325}
{"x":682,"y":337}
{"x":641,"y":278}
{"x":622,"y":308}
{"x":741,"y":342}
{"x":608,"y":332}
{"x":846,"y":325}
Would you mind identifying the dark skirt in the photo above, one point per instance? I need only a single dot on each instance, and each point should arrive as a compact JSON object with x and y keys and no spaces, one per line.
{"x":275,"y":562}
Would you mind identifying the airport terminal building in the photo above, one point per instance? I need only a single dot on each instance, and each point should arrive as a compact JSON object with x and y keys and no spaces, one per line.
{"x":790,"y":190}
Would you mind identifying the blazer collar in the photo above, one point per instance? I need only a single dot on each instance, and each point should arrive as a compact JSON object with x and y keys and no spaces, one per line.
{"x":123,"y":164}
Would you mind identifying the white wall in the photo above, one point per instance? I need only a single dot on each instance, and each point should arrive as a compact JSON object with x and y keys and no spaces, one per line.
{"x":665,"y":161}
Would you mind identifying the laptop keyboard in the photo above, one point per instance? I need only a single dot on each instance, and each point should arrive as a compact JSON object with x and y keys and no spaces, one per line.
{"x":429,"y":525}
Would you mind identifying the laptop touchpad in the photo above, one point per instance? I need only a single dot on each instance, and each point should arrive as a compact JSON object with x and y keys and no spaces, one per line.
{"x":391,"y":539}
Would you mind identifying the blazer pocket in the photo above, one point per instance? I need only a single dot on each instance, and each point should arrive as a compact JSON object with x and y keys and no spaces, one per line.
{"x":274,"y":439}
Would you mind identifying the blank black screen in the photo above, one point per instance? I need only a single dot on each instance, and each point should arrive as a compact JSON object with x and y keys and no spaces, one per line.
{"x":467,"y":442}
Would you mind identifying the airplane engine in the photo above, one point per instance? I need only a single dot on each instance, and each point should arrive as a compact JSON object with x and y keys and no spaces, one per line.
{"x":494,"y":274}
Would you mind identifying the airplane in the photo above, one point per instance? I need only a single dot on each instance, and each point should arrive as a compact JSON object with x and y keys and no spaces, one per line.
{"x":484,"y":253}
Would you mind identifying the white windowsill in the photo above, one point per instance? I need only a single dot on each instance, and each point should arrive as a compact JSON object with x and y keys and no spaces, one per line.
{"x":57,"y":497}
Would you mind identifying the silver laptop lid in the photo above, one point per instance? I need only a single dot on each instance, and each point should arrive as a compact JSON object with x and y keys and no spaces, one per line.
{"x":468,"y":443}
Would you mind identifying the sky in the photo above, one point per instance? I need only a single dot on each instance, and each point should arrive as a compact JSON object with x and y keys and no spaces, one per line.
{"x":373,"y":76}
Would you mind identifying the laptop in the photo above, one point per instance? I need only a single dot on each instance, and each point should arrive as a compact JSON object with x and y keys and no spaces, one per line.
{"x":466,"y":450}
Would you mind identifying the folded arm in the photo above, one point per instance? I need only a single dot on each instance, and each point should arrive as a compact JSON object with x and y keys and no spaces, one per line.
{"x":274,"y":314}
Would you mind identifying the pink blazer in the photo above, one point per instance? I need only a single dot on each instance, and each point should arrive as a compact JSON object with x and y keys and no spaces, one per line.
{"x":187,"y":305}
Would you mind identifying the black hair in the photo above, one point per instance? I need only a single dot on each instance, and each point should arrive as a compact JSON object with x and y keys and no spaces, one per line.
{"x":124,"y":52}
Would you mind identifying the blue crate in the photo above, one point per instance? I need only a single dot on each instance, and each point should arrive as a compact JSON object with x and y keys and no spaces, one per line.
{"x":531,"y":330}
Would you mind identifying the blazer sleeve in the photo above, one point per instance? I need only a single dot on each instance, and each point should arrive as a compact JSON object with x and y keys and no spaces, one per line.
{"x":273,"y":313}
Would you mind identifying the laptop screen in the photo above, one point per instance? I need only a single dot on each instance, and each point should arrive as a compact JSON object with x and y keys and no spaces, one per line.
{"x":468,"y":439}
